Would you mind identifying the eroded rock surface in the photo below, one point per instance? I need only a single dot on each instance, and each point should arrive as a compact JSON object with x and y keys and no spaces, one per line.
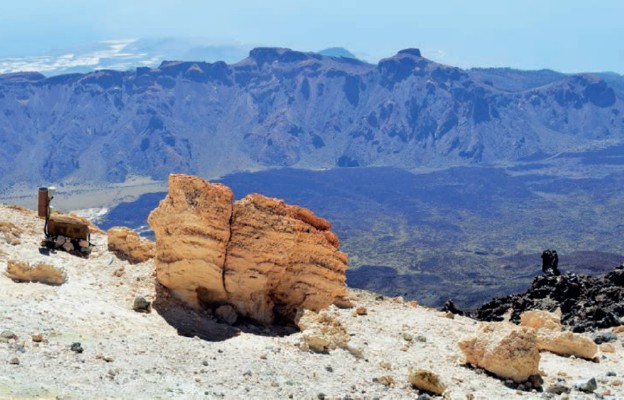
{"x":40,"y":272}
{"x":265,"y":258}
{"x":128,"y":245}
{"x":587,"y":303}
{"x":506,"y":351}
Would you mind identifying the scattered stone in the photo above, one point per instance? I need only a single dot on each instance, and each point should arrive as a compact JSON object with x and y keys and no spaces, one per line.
{"x":40,"y":272}
{"x":14,"y":361}
{"x":618,"y":329}
{"x":585,"y":385}
{"x":76,"y":347}
{"x":385,"y":365}
{"x":407,"y":337}
{"x":421,"y":339}
{"x":343,"y":303}
{"x":427,"y":381}
{"x":385,"y":380}
{"x":141,"y":305}
{"x":126,"y":244}
{"x":227,"y":314}
{"x":607,"y":348}
{"x":504,"y":350}
{"x":5,"y":336}
{"x":566,"y":344}
{"x":604,"y":337}
{"x":361,"y":310}
{"x":329,"y":368}
{"x":37,"y":338}
{"x":323,"y":333}
{"x":557,"y":388}
{"x":100,"y":356}
{"x":611,"y":373}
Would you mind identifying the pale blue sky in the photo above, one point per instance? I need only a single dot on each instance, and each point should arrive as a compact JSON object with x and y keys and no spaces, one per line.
{"x":565,"y":35}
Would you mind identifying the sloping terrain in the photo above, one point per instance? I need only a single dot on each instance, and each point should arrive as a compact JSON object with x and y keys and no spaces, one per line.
{"x":280,"y":107}
{"x":130,"y":355}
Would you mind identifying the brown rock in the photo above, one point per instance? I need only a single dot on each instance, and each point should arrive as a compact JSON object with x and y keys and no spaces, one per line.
{"x":260,"y":255}
{"x":566,"y":344}
{"x":37,"y":338}
{"x":540,"y":319}
{"x":192,"y":229}
{"x":361,"y":310}
{"x":279,"y":260}
{"x":40,"y":272}
{"x":504,"y":350}
{"x":323,"y":333}
{"x":427,"y":381}
{"x":607,"y":348}
{"x":128,"y":245}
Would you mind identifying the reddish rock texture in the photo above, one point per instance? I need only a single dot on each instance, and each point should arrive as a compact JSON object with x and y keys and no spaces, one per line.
{"x":264,"y":257}
{"x":192,"y":229}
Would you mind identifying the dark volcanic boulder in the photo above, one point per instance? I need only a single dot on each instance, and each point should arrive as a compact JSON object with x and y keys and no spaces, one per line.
{"x":586,"y":302}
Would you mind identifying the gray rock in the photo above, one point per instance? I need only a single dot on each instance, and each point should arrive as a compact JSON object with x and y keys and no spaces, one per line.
{"x":14,"y":361}
{"x":604,"y":337}
{"x":76,"y":347}
{"x":558,"y":388}
{"x":5,"y":336}
{"x":141,"y":305}
{"x":585,"y":385}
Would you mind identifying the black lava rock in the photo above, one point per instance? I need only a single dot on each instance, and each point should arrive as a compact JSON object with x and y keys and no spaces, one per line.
{"x":76,"y":347}
{"x":587,"y":303}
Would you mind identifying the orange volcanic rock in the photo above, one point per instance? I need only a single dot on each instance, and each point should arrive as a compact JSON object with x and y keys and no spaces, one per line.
{"x":192,"y":229}
{"x":264,"y":257}
{"x":281,"y":258}
{"x":128,"y":245}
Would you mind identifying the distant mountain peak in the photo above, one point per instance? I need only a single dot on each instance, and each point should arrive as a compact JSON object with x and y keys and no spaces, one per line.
{"x":337,"y":52}
{"x":412,"y":52}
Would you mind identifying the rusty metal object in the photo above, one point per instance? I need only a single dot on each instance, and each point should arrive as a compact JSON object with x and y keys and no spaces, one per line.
{"x":63,"y":225}
{"x":43,"y":202}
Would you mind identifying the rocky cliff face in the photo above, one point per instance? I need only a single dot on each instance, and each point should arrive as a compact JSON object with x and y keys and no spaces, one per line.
{"x":281,"y":107}
{"x":265,"y":258}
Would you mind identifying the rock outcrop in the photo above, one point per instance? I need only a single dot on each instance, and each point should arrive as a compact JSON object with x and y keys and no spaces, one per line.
{"x":128,"y":245}
{"x":39,"y":272}
{"x":506,"y":351}
{"x":586,"y":302}
{"x":265,"y":258}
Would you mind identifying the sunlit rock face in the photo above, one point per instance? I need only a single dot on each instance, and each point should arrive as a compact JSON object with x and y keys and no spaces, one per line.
{"x":264,"y":257}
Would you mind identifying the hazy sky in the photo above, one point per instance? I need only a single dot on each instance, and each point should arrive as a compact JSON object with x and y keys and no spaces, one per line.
{"x":566,"y":35}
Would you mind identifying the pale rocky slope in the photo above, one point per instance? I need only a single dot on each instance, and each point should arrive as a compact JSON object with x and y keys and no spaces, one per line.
{"x":132,"y":355}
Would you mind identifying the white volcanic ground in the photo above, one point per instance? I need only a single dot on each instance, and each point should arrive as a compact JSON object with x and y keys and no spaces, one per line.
{"x":130,"y":355}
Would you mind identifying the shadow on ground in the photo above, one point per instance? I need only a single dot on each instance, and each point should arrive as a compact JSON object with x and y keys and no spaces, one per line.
{"x":201,"y":323}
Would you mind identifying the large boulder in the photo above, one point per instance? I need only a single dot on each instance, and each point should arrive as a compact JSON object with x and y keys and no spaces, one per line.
{"x":192,"y":229}
{"x":504,"y":350}
{"x":265,"y":258}
{"x":128,"y":245}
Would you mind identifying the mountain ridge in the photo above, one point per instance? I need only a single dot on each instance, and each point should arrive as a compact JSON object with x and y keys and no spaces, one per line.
{"x":280,"y":107}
